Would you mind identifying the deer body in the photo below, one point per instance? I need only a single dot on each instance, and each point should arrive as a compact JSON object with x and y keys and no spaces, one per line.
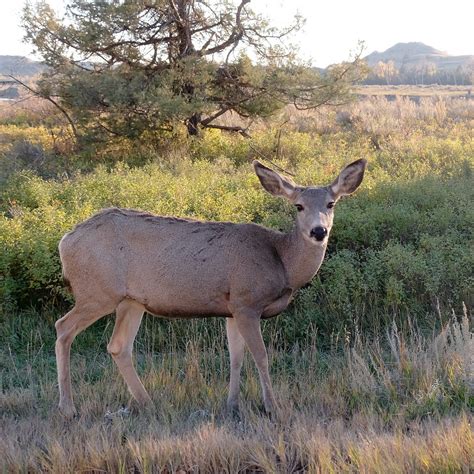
{"x":131,"y":262}
{"x":217,"y":267}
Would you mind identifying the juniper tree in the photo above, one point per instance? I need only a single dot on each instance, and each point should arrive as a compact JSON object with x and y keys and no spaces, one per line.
{"x":129,"y":66}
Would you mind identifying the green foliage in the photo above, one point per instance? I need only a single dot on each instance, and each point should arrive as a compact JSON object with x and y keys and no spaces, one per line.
{"x":402,"y":244}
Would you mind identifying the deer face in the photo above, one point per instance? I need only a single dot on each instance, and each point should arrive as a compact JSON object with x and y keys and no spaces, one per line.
{"x":315,"y":205}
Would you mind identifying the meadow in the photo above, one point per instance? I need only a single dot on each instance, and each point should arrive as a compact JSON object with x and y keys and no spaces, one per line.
{"x":415,"y":91}
{"x":373,"y":363}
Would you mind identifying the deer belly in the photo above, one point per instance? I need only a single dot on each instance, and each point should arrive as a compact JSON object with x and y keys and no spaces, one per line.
{"x":183,"y":305}
{"x":186,"y":313}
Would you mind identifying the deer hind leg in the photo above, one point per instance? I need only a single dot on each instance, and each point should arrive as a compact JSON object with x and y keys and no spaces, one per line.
{"x":248,"y":324}
{"x":236,"y":345}
{"x":67,"y":328}
{"x":129,"y":317}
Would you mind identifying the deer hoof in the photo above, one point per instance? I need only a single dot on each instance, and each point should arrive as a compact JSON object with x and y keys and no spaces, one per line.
{"x":67,"y":412}
{"x":233,"y":412}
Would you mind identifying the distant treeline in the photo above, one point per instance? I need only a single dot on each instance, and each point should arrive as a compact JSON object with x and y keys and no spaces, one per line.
{"x":422,"y":73}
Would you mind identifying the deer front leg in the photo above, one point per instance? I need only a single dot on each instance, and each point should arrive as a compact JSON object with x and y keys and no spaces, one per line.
{"x":236,"y":345}
{"x":127,"y":323}
{"x":248,"y":324}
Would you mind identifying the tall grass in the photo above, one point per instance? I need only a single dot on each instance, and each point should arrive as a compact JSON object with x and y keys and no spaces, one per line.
{"x":364,"y":408}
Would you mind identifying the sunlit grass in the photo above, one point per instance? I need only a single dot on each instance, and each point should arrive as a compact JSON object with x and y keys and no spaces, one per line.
{"x":417,"y":91}
{"x":398,"y":404}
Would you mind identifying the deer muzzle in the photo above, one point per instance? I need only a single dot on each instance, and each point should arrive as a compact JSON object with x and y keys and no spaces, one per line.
{"x":319,"y":233}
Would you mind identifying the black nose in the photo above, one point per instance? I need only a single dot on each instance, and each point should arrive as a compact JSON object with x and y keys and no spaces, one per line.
{"x":319,"y":233}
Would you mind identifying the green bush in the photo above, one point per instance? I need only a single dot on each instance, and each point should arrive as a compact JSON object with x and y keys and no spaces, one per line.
{"x":402,"y":244}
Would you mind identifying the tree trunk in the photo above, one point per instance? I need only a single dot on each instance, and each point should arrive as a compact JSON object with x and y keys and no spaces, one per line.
{"x":192,"y":124}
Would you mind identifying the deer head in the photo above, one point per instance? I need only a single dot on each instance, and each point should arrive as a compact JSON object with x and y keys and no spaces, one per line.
{"x":315,"y":205}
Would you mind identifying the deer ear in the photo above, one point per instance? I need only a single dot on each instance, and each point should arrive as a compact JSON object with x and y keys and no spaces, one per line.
{"x":349,"y":178}
{"x":274,"y":183}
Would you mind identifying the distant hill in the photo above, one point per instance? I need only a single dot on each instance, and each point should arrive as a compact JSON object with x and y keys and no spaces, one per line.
{"x":412,"y":54}
{"x":415,"y":63}
{"x":19,"y":66}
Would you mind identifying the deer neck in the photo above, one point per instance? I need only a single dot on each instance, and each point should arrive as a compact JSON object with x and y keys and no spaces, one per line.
{"x":300,"y":257}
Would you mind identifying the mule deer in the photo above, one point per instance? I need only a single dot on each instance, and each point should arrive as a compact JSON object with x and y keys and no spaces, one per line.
{"x":130,"y":262}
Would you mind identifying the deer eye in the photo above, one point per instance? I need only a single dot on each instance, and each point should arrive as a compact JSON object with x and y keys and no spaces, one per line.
{"x":331,"y":204}
{"x":299,"y":207}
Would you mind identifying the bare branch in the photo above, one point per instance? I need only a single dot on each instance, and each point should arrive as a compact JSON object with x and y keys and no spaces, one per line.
{"x":270,"y":161}
{"x":210,"y":119}
{"x":241,"y":130}
{"x":235,"y":36}
{"x":48,"y":98}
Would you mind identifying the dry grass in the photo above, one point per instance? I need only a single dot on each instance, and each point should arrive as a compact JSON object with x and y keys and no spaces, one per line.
{"x":27,"y":109}
{"x":306,"y":443}
{"x":374,"y":115}
{"x":415,"y":91}
{"x":405,"y":408}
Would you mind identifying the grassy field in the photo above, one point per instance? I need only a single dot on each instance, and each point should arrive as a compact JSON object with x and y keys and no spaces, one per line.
{"x":373,"y":363}
{"x":395,"y":404}
{"x":415,"y":91}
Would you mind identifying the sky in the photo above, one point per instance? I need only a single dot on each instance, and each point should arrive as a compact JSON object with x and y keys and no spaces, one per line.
{"x":332,"y":29}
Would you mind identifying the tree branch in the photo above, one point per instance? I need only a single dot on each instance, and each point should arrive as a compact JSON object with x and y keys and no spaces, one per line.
{"x":235,"y":36}
{"x":210,"y":119}
{"x":241,"y":130}
{"x":48,"y":98}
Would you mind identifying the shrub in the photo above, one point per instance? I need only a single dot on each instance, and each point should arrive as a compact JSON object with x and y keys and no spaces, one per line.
{"x":396,"y":247}
{"x":402,"y":244}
